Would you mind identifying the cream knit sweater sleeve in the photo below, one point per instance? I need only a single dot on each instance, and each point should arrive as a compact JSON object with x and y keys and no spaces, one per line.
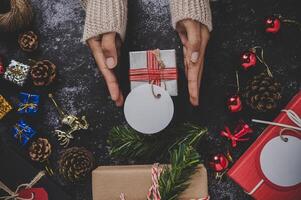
{"x":103,"y":16}
{"x":198,"y":10}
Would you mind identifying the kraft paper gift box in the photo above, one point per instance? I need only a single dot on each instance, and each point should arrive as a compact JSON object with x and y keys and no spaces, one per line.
{"x":145,"y":68}
{"x":108,"y":182}
{"x":247,"y":170}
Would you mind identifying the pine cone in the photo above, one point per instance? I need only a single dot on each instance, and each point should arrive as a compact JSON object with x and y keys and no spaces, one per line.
{"x":263,"y":93}
{"x":40,"y":150}
{"x":76,"y":163}
{"x":43,"y":73}
{"x":28,"y":41}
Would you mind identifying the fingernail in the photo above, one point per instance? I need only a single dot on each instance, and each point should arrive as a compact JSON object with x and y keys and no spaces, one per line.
{"x":194,"y":57}
{"x":110,"y":62}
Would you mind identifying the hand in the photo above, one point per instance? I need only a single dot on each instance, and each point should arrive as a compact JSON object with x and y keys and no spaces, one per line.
{"x":194,"y":37}
{"x":104,"y":49}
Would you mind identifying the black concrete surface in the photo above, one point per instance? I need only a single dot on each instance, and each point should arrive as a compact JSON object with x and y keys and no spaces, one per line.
{"x":80,"y":89}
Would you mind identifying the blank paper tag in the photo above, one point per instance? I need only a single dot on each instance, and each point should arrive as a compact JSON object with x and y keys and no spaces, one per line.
{"x":281,"y":161}
{"x":148,"y":114}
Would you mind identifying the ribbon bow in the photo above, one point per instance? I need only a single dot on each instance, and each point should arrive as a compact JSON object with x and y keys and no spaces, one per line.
{"x":14,"y":195}
{"x":155,"y":71}
{"x":239,"y":132}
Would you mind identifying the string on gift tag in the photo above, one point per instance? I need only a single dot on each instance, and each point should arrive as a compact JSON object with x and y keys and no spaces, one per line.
{"x":292,"y":116}
{"x":156,"y":52}
{"x":14,"y":195}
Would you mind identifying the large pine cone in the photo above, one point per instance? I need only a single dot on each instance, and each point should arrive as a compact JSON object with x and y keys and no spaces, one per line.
{"x":263,"y":93}
{"x":28,"y":41}
{"x":43,"y":73}
{"x":76,"y":163}
{"x":40,"y":150}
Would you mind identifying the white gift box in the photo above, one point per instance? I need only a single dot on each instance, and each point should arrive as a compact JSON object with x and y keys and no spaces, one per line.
{"x":140,"y":60}
{"x":17,"y":72}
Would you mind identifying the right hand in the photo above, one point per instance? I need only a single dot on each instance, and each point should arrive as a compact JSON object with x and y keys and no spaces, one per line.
{"x":104,"y":49}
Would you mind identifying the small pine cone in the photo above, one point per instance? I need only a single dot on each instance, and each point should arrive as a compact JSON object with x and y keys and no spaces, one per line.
{"x":76,"y":163}
{"x":263,"y":93}
{"x":40,"y":150}
{"x":28,"y":41}
{"x":43,"y":73}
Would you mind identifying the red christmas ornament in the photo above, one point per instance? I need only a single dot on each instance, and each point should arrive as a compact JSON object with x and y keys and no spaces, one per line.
{"x":248,"y":59}
{"x":219,"y":162}
{"x":2,"y":68}
{"x":234,"y":104}
{"x":272,"y":24}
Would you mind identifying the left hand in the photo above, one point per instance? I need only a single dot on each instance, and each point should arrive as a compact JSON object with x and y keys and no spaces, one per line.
{"x":194,"y":37}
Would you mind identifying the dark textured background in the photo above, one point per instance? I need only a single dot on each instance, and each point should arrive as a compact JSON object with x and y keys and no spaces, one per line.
{"x":238,"y":25}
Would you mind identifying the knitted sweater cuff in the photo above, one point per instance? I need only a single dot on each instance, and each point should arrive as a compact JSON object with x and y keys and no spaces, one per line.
{"x":198,"y":10}
{"x":103,"y":16}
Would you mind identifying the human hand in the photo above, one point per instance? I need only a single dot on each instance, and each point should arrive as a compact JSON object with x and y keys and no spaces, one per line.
{"x":105,"y":51}
{"x":194,"y":37}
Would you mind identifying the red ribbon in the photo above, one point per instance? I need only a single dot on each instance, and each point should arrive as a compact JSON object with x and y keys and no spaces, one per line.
{"x":240,"y":131}
{"x":154,"y":73}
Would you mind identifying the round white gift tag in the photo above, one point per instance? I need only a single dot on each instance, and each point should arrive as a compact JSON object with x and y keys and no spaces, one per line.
{"x":148,"y":114}
{"x":280,"y":161}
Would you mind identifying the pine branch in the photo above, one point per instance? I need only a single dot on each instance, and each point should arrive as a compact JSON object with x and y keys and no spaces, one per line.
{"x":174,"y":179}
{"x":128,"y":143}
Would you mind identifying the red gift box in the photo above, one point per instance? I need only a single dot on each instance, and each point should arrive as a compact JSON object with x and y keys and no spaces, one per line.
{"x":247,"y":171}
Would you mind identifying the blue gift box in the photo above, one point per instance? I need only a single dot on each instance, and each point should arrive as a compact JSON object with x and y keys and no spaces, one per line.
{"x":28,"y":103}
{"x":23,"y":132}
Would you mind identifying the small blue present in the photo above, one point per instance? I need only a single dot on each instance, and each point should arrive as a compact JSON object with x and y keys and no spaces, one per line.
{"x":28,"y":103}
{"x":23,"y":132}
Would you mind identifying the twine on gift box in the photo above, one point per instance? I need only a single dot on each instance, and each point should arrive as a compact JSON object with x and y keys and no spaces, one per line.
{"x":156,"y":52}
{"x":292,"y":116}
{"x":14,"y":195}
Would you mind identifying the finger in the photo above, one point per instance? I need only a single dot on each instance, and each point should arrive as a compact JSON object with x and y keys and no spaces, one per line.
{"x":108,"y":44}
{"x":119,"y":101}
{"x":193,"y":82}
{"x":109,"y":76}
{"x":185,"y":60}
{"x":193,"y":30}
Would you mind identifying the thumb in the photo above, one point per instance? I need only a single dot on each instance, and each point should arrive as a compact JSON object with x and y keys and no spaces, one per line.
{"x":108,"y":45}
{"x":193,"y":30}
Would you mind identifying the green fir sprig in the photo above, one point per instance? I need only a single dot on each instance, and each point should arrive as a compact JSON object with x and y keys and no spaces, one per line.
{"x":174,"y":178}
{"x":125,"y":142}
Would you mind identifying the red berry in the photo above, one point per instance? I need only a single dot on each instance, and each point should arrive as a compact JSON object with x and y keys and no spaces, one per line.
{"x":234,"y":104}
{"x":272,"y":24}
{"x":248,"y":59}
{"x":219,"y":162}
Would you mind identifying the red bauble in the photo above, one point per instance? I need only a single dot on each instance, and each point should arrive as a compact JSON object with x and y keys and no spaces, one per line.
{"x":248,"y":59}
{"x":219,"y":162}
{"x":2,"y":68}
{"x":234,"y":104}
{"x":272,"y":24}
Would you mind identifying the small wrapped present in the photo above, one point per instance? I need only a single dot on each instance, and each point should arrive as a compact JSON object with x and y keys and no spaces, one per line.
{"x":17,"y":72}
{"x":28,"y":103}
{"x":156,"y":67}
{"x":270,"y":168}
{"x":23,"y":132}
{"x":134,"y":181}
{"x":5,"y":107}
